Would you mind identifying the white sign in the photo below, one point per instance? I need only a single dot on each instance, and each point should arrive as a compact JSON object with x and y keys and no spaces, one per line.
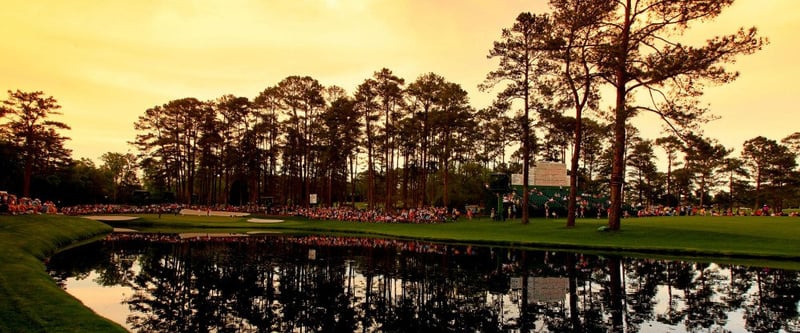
{"x":544,"y":174}
{"x":516,"y":179}
{"x":312,"y":198}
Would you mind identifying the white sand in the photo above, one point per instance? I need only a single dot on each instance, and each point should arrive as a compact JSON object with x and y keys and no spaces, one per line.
{"x":212,"y":213}
{"x":264,"y":221}
{"x":110,"y":218}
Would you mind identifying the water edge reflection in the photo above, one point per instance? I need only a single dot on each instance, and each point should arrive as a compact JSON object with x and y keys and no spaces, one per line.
{"x":340,"y":284}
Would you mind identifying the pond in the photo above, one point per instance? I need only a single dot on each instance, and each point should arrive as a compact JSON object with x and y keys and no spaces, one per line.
{"x":285,"y":283}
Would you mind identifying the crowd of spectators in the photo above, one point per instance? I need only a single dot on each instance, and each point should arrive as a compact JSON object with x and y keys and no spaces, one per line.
{"x":10,"y":204}
{"x":342,"y":213}
{"x":688,"y":210}
{"x":167,"y":208}
{"x":120,"y":209}
{"x":14,"y":205}
{"x":414,"y":215}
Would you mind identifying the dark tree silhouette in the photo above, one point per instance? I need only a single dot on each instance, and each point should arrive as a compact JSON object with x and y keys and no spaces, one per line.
{"x":36,"y":136}
{"x":641,"y":52}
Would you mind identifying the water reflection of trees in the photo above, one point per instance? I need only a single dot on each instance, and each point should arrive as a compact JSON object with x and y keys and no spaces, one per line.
{"x":281,"y":283}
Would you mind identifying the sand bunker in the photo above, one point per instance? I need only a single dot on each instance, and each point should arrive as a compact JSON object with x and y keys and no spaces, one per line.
{"x":262,"y":232}
{"x":212,"y":213}
{"x":110,"y":218}
{"x":264,"y":221}
{"x":124,"y":230}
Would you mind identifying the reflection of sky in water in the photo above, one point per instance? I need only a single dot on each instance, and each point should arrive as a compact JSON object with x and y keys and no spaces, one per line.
{"x":735,"y":322}
{"x":504,"y":302}
{"x":107,"y":301}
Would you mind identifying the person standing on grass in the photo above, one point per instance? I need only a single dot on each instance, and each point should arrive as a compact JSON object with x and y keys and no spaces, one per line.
{"x":546,"y":211}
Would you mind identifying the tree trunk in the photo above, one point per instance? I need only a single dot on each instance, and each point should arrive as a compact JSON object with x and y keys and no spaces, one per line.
{"x":617,"y":167}
{"x":572,"y":206}
{"x":353,"y":180}
{"x":405,"y":180}
{"x":525,"y":153}
{"x":620,"y":117}
{"x":370,"y":179}
{"x":758,"y":188}
{"x":424,"y":160}
{"x":387,"y":155}
{"x":669,"y":174}
{"x":26,"y":178}
{"x":702,"y":190}
{"x":330,"y":189}
{"x":446,"y":190}
{"x":730,"y":191}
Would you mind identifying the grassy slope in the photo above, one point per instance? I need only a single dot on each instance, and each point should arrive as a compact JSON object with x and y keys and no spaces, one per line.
{"x":30,"y":301}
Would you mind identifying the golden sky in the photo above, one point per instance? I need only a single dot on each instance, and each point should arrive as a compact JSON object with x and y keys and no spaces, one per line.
{"x":108,"y":61}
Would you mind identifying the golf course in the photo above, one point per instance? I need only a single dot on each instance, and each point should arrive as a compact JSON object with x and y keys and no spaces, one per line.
{"x":30,"y":301}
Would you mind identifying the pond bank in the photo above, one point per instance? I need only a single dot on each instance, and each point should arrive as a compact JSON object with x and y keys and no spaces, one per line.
{"x":30,"y":301}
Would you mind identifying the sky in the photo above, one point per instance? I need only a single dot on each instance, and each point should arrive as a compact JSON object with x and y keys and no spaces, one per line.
{"x":106,"y":62}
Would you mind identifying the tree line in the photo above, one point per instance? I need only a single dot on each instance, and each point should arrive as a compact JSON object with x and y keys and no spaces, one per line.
{"x":397,"y":144}
{"x":222,"y":159}
{"x":298,"y":138}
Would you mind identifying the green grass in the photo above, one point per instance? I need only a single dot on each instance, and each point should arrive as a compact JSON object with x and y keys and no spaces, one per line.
{"x":31,"y":302}
{"x":775,"y":238}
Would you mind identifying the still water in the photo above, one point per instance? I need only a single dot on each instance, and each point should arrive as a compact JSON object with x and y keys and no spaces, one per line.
{"x":281,"y":283}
